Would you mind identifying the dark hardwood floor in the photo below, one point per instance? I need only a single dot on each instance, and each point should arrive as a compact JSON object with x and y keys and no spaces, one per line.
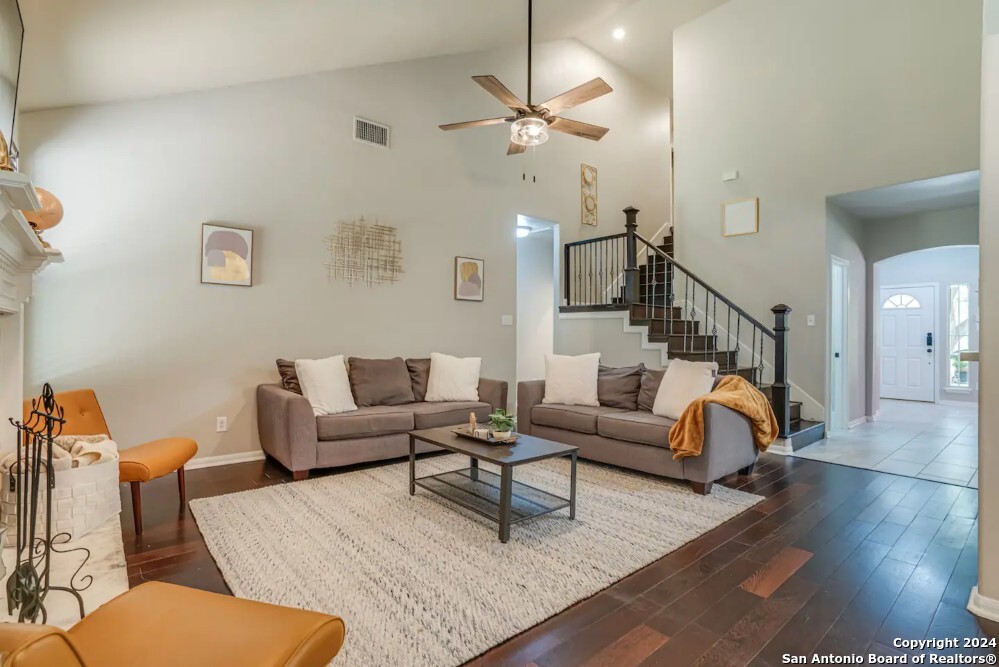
{"x":836,"y":560}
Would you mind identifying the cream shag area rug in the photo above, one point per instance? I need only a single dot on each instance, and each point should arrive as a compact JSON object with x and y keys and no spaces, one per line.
{"x":421,"y":582}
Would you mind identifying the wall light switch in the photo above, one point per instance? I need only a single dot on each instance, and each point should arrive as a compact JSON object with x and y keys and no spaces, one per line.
{"x":810,"y":320}
{"x":221,"y":424}
{"x":730,"y":176}
{"x":506,"y":320}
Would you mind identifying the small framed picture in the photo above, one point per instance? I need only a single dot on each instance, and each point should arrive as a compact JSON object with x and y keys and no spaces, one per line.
{"x":226,"y":255}
{"x":469,"y":279}
{"x":741,"y":217}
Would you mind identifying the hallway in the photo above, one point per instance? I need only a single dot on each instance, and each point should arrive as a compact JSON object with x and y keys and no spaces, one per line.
{"x":924,"y":440}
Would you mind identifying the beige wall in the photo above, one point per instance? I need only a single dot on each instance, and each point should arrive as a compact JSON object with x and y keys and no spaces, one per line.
{"x":580,"y":333}
{"x":805,"y":99}
{"x":126,"y":313}
{"x":988,"y":419}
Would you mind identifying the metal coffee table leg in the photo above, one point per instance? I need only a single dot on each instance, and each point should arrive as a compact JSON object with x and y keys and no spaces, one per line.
{"x":412,"y":465}
{"x":572,"y":488}
{"x":506,"y":493}
{"x":474,"y":466}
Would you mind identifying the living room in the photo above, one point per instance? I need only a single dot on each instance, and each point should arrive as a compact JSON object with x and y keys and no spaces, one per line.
{"x":219,"y":186}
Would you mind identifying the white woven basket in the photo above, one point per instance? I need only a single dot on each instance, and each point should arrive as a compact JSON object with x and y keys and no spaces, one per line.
{"x":83,"y":499}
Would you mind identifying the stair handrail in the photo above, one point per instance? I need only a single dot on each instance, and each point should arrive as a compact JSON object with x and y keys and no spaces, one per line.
{"x":715,"y":293}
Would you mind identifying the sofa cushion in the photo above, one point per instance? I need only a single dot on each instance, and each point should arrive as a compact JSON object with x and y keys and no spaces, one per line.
{"x":651,"y":379}
{"x":419,"y":375}
{"x":289,"y":378}
{"x":380,"y":381}
{"x":619,"y":387}
{"x":449,"y":413}
{"x":364,"y":422}
{"x":579,"y":418}
{"x":642,"y":427}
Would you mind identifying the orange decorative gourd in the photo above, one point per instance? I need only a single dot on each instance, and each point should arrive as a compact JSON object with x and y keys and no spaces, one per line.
{"x":50,"y":213}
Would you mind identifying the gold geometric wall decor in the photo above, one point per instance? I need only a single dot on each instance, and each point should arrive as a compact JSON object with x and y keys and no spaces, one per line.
{"x":588,"y":194}
{"x":359,"y":252}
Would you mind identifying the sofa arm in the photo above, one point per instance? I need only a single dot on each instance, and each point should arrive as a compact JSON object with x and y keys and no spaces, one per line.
{"x":529,"y":394}
{"x":287,"y":427}
{"x":493,"y":392}
{"x":728,"y":445}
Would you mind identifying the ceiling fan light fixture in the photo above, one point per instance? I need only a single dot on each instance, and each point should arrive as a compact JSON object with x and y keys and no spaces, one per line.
{"x":529,"y":131}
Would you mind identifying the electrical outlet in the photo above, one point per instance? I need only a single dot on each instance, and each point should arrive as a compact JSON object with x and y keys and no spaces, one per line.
{"x":221,"y":424}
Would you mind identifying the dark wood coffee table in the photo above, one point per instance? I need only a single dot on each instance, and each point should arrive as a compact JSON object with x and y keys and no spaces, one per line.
{"x":496,"y":497}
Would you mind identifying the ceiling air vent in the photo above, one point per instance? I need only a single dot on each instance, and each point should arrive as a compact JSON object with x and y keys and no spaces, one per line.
{"x":370,"y":132}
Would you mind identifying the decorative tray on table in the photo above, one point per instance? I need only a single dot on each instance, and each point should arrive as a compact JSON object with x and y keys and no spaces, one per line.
{"x":464,"y":432}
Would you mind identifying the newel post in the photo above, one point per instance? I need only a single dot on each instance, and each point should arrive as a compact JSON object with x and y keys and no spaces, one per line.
{"x":631,"y":256}
{"x":781,"y":389}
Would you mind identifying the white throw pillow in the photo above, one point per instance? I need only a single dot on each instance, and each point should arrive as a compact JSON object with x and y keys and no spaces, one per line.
{"x":571,"y":380}
{"x":682,"y":383}
{"x":453,"y":378}
{"x":325,"y":383}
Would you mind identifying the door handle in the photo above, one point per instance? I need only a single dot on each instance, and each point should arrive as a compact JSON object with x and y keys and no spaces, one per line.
{"x":929,"y":339}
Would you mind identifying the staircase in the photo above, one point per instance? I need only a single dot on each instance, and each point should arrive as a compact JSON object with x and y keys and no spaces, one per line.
{"x":625,"y":272}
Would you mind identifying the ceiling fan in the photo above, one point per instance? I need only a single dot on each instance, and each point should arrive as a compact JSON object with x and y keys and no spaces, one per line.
{"x":531,"y":122}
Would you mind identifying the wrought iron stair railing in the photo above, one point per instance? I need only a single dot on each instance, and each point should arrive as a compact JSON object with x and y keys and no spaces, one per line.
{"x":680,"y":309}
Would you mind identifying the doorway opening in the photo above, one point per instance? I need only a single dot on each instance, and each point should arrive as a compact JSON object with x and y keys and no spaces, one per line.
{"x":903,"y":330}
{"x":537,"y":298}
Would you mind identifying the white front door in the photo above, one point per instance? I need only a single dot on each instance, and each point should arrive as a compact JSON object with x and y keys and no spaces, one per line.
{"x":908,"y":337}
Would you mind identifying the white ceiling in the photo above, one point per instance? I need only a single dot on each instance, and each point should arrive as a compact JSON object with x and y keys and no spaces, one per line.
{"x":932,"y":194}
{"x":86,"y":51}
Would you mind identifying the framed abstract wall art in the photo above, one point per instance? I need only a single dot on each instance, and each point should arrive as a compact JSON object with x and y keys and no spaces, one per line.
{"x":469,"y":279}
{"x":226,"y":255}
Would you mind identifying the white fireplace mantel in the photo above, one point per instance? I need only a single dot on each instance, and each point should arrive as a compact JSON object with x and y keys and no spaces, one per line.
{"x":21,"y":257}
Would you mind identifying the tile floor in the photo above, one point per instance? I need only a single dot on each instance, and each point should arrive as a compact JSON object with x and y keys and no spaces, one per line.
{"x":923,"y":440}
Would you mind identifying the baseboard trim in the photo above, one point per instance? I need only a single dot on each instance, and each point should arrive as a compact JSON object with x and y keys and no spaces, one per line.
{"x":224,"y":460}
{"x":983,"y":607}
{"x":857,"y":422}
{"x":781,"y":447}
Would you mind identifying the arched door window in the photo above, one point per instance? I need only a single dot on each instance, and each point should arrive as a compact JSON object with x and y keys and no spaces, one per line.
{"x":896,"y":301}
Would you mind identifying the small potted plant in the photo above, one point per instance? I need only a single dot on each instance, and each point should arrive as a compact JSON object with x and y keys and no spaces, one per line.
{"x":502,"y":424}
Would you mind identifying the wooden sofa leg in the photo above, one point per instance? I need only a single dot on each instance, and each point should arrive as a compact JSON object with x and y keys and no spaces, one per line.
{"x":181,"y":487}
{"x":701,"y":487}
{"x":299,"y":475}
{"x":137,"y":507}
{"x":748,"y":470}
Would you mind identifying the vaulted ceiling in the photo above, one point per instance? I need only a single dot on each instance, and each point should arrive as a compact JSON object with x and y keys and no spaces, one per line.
{"x":86,"y":51}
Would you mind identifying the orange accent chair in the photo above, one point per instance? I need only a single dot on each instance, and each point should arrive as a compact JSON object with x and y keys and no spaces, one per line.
{"x":135,"y":464}
{"x":164,"y":625}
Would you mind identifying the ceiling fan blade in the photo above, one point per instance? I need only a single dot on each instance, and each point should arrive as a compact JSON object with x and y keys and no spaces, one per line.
{"x":574,"y":127}
{"x":476,"y":123}
{"x":500,"y":92}
{"x":571,"y":98}
{"x":515,"y":149}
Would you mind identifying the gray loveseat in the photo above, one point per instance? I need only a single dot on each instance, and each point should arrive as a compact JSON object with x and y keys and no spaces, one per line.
{"x":301,"y":441}
{"x":622,"y":431}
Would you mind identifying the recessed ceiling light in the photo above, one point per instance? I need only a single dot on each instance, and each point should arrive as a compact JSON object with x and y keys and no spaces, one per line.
{"x":618,"y":34}
{"x":523,"y":230}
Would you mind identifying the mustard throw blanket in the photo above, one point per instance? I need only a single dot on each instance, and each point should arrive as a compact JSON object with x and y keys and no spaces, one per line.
{"x":686,"y":438}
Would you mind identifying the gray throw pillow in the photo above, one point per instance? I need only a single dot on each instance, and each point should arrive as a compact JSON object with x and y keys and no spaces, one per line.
{"x":651,"y":379}
{"x":379,"y":381}
{"x":289,"y":377}
{"x":419,"y":374}
{"x":619,"y":387}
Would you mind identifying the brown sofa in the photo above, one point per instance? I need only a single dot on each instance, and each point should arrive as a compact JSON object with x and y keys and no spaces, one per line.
{"x":622,"y":431}
{"x":301,"y":441}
